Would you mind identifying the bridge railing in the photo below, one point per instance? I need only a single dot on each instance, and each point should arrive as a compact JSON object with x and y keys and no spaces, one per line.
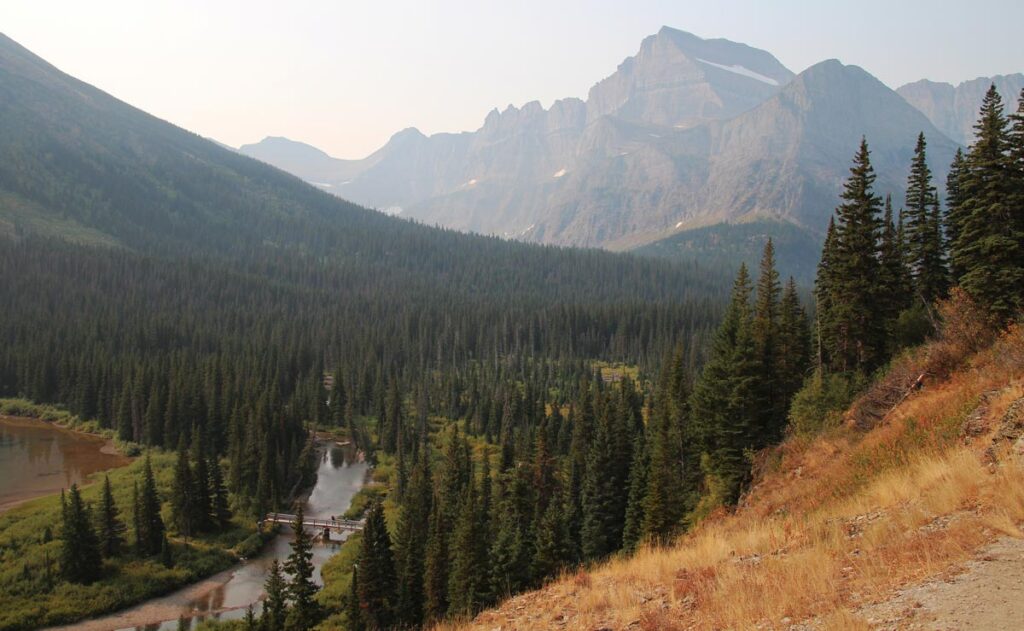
{"x":312,"y":522}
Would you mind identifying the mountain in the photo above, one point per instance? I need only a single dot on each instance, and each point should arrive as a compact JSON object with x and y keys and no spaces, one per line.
{"x":680,"y":80}
{"x":687,"y":133}
{"x":498,"y":180}
{"x":315,"y":166}
{"x":954,"y":110}
{"x":78,"y":164}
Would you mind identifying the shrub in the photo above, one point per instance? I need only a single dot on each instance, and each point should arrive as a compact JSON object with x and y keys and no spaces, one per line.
{"x":965,"y":329}
{"x":912,"y":327}
{"x":821,"y":401}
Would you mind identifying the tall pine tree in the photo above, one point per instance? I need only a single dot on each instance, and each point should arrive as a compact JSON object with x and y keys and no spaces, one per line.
{"x":80,"y":560}
{"x":855,"y":333}
{"x":726,"y":403}
{"x":989,"y":248}
{"x":377,"y":582}
{"x":110,"y":528}
{"x":923,"y":230}
{"x":305,"y":610}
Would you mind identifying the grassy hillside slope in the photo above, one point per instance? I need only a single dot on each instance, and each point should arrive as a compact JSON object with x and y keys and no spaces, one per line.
{"x":837,"y":521}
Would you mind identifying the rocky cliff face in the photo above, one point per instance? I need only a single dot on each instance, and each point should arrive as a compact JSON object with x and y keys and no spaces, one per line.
{"x":680,"y":80}
{"x":686,"y":133}
{"x":954,"y":110}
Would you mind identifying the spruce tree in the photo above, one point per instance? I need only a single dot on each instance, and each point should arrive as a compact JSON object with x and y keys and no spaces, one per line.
{"x":305,"y":610}
{"x":1016,"y":158}
{"x":377,"y":582}
{"x":149,"y":534}
{"x":923,"y":230}
{"x":794,"y":344}
{"x":725,"y":400}
{"x":989,"y":248}
{"x":166,"y":552}
{"x":509,"y":554}
{"x":110,"y":527}
{"x":183,"y":506}
{"x":484,"y":531}
{"x":81,"y":561}
{"x":765,"y":331}
{"x":894,"y":282}
{"x":353,"y":611}
{"x":221,"y":515}
{"x":137,"y":528}
{"x":275,"y":605}
{"x":954,"y":219}
{"x":633,"y":527}
{"x":249,"y":622}
{"x":856,"y":337}
{"x":202,"y":499}
{"x":435,"y":567}
{"x":467,"y":567}
{"x":663,"y":505}
{"x":411,"y":541}
{"x":602,"y":500}
{"x":825,"y":285}
{"x":550,"y":552}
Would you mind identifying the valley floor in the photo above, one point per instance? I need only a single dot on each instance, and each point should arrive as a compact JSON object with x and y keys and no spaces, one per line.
{"x":913,"y":524}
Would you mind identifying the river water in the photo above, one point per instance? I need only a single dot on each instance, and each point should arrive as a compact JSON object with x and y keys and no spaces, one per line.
{"x":38,"y":458}
{"x":226,"y":596}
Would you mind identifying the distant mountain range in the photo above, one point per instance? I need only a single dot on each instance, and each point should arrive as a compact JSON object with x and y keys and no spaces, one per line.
{"x":78,"y":165}
{"x":688,"y":133}
{"x":954,"y":110}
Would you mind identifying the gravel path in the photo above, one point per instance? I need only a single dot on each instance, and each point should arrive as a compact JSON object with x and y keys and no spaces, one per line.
{"x":988,"y":594}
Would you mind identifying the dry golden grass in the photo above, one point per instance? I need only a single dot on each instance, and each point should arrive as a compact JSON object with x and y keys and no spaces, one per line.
{"x":841,"y":521}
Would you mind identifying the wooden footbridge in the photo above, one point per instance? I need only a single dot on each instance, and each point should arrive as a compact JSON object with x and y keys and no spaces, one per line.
{"x":325,"y":525}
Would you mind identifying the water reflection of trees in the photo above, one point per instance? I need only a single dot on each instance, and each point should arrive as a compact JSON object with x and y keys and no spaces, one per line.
{"x":36,"y":452}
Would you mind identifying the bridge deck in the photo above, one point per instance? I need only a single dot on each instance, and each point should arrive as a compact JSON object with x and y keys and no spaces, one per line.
{"x":312,"y":522}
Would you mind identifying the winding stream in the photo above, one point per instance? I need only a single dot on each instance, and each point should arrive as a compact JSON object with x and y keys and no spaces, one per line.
{"x":227,"y":595}
{"x":38,"y":458}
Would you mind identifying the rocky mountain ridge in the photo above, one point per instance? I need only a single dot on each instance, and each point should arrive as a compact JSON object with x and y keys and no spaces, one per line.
{"x":686,"y":133}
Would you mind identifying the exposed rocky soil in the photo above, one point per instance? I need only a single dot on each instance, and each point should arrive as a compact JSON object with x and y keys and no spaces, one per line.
{"x":987,"y":593}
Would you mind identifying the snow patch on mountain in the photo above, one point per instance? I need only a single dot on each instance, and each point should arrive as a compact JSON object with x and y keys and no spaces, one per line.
{"x":742,"y":71}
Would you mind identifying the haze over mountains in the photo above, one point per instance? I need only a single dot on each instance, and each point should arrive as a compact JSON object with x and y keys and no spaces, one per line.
{"x":78,"y":164}
{"x":954,"y":110}
{"x":687,"y":133}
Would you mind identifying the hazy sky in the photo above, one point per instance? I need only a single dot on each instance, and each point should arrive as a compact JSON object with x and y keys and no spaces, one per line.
{"x":346,"y":75}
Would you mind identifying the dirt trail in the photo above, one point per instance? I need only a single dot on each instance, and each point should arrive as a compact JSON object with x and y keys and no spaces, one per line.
{"x":987,"y":594}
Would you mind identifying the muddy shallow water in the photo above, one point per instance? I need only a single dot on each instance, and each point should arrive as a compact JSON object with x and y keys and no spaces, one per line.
{"x":39,"y":458}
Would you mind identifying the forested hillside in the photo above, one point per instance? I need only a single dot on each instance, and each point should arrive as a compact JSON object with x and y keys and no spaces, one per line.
{"x":191,"y":299}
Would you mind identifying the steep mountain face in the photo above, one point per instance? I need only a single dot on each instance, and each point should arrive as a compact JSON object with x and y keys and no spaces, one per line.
{"x":505,"y":177}
{"x":629,"y":183}
{"x":687,"y":133}
{"x":954,"y":110}
{"x":680,"y":80}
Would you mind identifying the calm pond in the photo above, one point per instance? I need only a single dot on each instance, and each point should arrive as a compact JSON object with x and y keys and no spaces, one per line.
{"x":39,"y":458}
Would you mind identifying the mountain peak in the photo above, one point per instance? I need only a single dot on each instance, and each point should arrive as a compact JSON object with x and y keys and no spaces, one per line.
{"x":678,"y":79}
{"x":408,"y":132}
